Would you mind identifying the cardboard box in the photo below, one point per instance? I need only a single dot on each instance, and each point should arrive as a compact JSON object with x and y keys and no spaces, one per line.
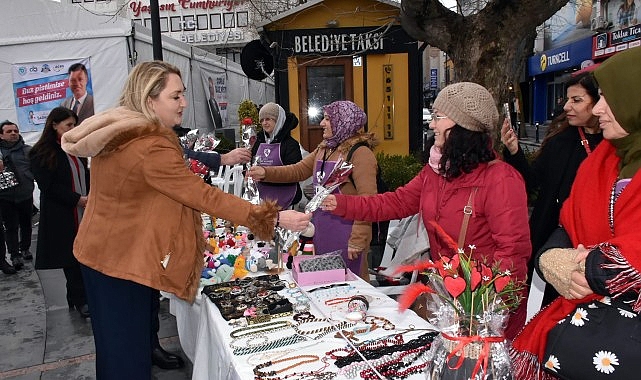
{"x":318,"y":277}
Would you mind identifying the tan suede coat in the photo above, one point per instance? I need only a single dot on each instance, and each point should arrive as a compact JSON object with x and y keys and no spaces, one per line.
{"x":144,"y":205}
{"x":363,"y":175}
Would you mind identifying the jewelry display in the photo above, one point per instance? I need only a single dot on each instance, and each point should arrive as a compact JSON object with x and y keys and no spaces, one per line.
{"x":321,"y":331}
{"x":249,"y":297}
{"x":301,"y":308}
{"x":423,"y":340}
{"x":261,"y":357}
{"x":357,"y":307}
{"x":286,"y":341}
{"x":301,"y":359}
{"x":336,"y":301}
{"x":303,"y":317}
{"x":258,"y":329}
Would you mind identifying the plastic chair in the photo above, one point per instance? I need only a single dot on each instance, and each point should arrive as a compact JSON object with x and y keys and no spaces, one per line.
{"x":234,"y":178}
{"x":217,"y":178}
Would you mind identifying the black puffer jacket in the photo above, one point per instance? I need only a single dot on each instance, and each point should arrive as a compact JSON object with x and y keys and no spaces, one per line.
{"x":16,"y":158}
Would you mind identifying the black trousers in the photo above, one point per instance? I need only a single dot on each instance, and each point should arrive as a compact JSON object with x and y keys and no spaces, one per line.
{"x":121,"y":321}
{"x":75,"y":285}
{"x":17,"y":222}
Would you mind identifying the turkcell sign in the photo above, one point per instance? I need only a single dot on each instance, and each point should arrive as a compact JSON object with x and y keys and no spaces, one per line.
{"x":561,"y":58}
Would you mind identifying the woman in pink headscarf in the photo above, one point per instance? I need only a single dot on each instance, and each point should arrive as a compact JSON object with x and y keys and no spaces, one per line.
{"x":341,"y":125}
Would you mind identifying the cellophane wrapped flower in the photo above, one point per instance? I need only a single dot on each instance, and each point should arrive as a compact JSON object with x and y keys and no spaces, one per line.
{"x":339,"y":175}
{"x":468,"y":301}
{"x":199,"y":143}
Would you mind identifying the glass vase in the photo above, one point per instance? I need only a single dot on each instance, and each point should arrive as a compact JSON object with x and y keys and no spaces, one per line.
{"x":469,"y":347}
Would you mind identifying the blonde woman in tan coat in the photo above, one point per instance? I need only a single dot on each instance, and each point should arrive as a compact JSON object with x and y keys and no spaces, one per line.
{"x":142,"y":229}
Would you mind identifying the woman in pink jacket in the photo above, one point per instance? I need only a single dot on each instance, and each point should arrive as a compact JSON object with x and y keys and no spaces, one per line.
{"x":463,"y":173}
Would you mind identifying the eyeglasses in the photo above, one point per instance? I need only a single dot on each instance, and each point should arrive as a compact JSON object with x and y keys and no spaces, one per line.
{"x":266,"y":119}
{"x":436,"y":118}
{"x":12,"y":131}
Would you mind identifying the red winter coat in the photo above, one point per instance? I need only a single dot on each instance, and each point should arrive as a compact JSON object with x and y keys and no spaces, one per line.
{"x":498,"y":226}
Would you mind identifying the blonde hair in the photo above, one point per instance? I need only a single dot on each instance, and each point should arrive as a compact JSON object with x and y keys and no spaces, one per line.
{"x":146,"y":81}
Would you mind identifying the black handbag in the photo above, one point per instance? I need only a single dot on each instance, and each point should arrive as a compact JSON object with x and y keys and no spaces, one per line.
{"x":595,"y":341}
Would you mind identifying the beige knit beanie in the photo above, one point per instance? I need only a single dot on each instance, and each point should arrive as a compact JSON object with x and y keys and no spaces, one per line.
{"x":469,"y":105}
{"x":268,"y":110}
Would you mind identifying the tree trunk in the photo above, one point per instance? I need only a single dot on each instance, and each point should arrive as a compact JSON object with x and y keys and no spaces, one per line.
{"x":490,"y":46}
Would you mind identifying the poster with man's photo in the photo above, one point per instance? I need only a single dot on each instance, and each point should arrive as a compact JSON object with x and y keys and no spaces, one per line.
{"x":39,"y":87}
{"x":216,"y":92}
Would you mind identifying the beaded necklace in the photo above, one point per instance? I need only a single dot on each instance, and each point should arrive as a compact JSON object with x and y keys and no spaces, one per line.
{"x":322,"y":331}
{"x":256,"y":359}
{"x":303,"y":359}
{"x":613,"y":199}
{"x":286,"y":341}
{"x":257,"y":329}
{"x":423,"y":340}
{"x":390,"y":369}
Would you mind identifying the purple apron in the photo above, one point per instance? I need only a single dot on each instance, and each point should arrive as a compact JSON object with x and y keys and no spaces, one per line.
{"x":283,"y":194}
{"x":332,"y":232}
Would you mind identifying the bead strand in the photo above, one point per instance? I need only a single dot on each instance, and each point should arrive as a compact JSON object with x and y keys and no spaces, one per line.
{"x":305,"y":360}
{"x":286,"y":341}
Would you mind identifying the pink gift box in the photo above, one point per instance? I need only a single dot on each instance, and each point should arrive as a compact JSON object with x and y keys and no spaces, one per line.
{"x":318,"y":277}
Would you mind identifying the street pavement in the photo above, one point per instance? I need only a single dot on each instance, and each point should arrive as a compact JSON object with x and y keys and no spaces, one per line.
{"x":40,"y":338}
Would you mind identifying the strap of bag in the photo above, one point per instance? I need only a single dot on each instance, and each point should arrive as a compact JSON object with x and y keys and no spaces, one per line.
{"x":584,"y":141}
{"x":467,"y":212}
{"x":351,"y":153}
{"x":353,"y":149}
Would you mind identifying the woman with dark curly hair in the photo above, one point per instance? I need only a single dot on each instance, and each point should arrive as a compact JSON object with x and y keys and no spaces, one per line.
{"x":462,"y":177}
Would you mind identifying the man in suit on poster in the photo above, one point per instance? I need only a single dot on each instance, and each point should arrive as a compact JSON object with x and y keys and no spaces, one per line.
{"x":80,"y":102}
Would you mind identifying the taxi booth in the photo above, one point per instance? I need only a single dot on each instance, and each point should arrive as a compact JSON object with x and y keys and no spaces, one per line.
{"x":328,"y":50}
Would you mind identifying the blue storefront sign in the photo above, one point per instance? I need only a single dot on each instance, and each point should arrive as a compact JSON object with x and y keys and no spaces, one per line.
{"x":542,"y":67}
{"x":433,"y":79}
{"x":561,"y":58}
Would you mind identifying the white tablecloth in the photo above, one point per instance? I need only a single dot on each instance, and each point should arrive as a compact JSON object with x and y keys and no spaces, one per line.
{"x":204,"y":334}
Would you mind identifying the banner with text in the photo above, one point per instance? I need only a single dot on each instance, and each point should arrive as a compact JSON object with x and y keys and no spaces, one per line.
{"x":39,"y":87}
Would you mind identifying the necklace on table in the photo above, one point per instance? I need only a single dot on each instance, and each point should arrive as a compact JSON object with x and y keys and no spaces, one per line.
{"x":322,"y":331}
{"x":302,"y":359}
{"x":258,"y":329}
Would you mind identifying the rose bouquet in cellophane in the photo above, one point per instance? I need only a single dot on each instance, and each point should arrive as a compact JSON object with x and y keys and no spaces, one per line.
{"x":468,"y":301}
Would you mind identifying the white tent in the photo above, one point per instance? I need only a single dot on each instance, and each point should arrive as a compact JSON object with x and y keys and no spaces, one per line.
{"x":43,"y":30}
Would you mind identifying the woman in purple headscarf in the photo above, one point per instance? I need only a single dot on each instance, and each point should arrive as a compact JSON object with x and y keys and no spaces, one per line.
{"x":341,"y":125}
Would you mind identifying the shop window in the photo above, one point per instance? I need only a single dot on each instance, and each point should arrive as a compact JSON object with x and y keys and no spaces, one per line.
{"x":242,"y":19}
{"x":201,"y":20}
{"x":215,"y":21}
{"x":176,"y":24}
{"x":164,"y":25}
{"x":228,"y":20}
{"x":189,"y":23}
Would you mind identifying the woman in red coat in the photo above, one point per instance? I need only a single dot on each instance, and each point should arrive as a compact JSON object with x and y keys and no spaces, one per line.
{"x":462,"y":168}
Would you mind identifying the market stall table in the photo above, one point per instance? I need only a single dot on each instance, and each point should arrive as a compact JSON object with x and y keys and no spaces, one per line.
{"x":205,"y":335}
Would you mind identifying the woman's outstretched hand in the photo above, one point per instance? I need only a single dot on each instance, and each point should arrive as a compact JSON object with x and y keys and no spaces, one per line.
{"x":294,"y":220}
{"x":329,"y":203}
{"x":256,"y":172}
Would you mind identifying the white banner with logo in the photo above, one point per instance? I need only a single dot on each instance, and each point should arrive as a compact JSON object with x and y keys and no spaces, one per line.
{"x":38,"y":87}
